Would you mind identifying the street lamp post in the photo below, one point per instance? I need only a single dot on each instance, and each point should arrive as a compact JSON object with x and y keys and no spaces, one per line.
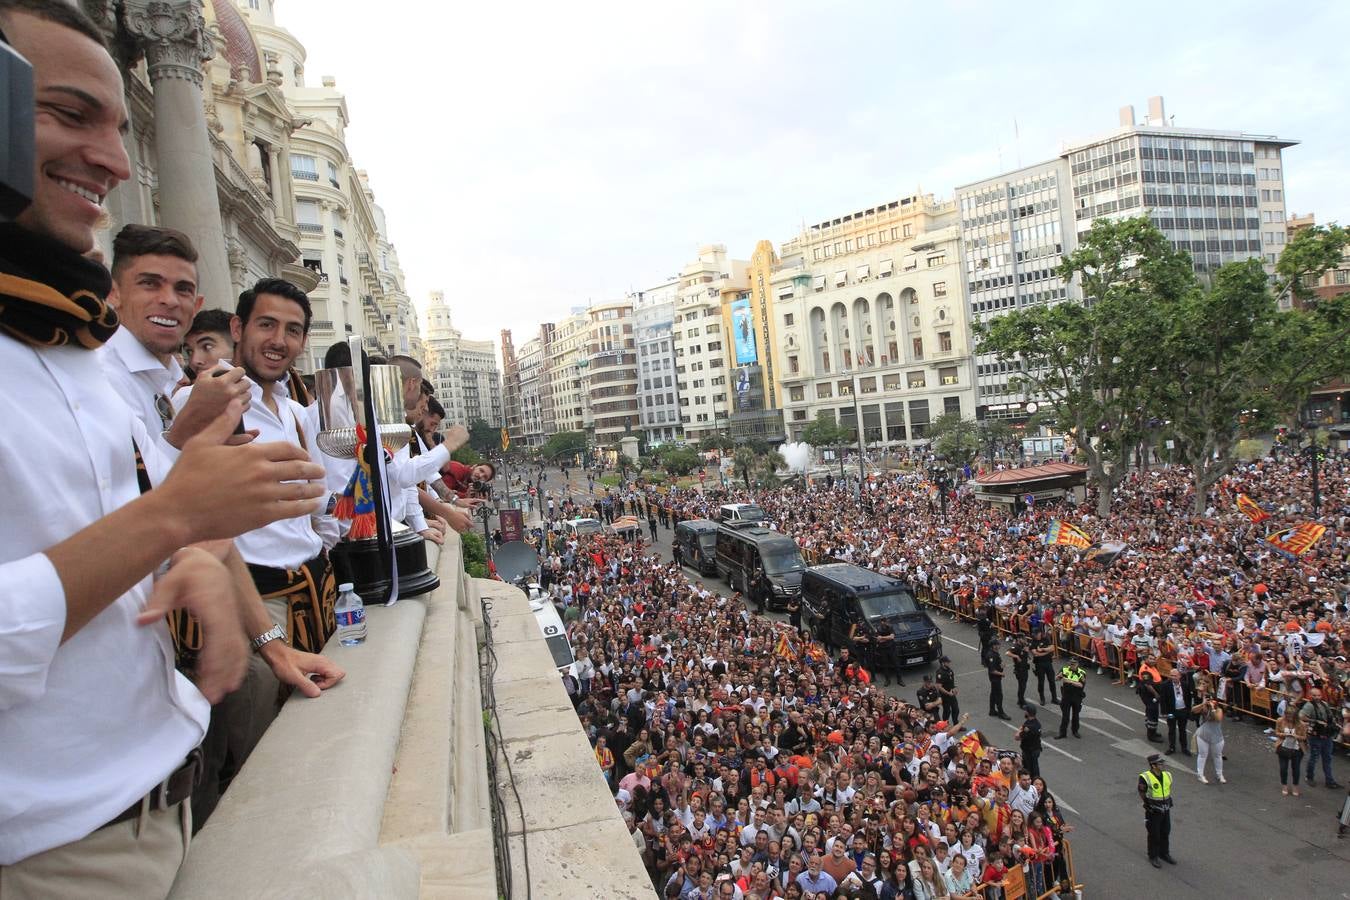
{"x":1312,"y":451}
{"x":857,"y":413}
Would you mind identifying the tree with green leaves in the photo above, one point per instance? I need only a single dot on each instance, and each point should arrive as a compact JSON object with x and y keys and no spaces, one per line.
{"x":679,"y":461}
{"x":716,"y":441}
{"x":484,"y":438}
{"x":823,"y":432}
{"x":954,"y":439}
{"x":768,"y":464}
{"x":998,"y":438}
{"x":1238,"y":365}
{"x":744,"y":461}
{"x":563,"y":442}
{"x":1312,"y":341}
{"x":1096,"y":363}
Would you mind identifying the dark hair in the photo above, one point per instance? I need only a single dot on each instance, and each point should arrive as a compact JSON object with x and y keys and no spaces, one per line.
{"x":490,"y":466}
{"x":135,"y":241}
{"x":62,"y":12}
{"x":338,"y":356}
{"x":215,"y":321}
{"x":278,"y":287}
{"x":428,"y":388}
{"x":434,"y":407}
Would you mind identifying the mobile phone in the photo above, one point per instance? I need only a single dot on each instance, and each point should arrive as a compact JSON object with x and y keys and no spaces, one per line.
{"x":238,"y":428}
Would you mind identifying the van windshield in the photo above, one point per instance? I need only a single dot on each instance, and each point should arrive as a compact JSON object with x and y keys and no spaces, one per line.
{"x":886,"y":606}
{"x":587,"y":526}
{"x":707,"y":539}
{"x":782,"y":560}
{"x":749,"y":513}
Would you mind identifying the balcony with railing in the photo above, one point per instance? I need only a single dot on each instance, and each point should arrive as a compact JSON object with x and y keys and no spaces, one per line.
{"x":309,"y":227}
{"x":304,"y":176}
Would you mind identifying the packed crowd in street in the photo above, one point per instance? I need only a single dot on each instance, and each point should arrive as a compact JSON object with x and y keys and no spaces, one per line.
{"x":750,"y":761}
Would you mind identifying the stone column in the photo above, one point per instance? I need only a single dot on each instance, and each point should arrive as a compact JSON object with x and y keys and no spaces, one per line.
{"x":173,"y":35}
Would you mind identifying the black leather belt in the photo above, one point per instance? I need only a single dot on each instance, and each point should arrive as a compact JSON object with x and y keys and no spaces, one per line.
{"x":169,"y":792}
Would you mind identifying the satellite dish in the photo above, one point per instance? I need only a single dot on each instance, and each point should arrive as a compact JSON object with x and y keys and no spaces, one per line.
{"x":515,"y":560}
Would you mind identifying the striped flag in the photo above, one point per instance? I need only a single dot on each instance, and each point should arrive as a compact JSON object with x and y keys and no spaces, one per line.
{"x":1061,"y":532}
{"x":1249,"y":508}
{"x":1295,"y":541}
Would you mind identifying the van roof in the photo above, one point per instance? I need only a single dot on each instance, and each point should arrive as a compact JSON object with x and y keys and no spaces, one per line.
{"x":698,"y":525}
{"x":856,"y":578}
{"x":758,"y":534}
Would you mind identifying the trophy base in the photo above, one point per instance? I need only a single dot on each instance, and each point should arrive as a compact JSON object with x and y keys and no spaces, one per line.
{"x":361,"y":563}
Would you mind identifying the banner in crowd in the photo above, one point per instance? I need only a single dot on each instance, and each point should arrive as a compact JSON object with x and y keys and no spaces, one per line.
{"x":1103,"y":553}
{"x":1249,"y":508}
{"x":1068,"y":534}
{"x":1292,"y":542}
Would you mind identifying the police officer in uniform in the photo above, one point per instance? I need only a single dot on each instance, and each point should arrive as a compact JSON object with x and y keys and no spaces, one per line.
{"x":1071,"y":695}
{"x":1043,"y":660}
{"x":1155,"y":792}
{"x":929,"y":699}
{"x":1020,"y":654}
{"x":946,"y":682}
{"x":993,"y":663}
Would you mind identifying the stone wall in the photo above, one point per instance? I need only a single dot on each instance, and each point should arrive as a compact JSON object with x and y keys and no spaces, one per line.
{"x":379,"y":788}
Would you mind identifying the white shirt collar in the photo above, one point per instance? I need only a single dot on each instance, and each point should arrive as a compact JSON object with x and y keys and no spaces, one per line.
{"x":137,"y":358}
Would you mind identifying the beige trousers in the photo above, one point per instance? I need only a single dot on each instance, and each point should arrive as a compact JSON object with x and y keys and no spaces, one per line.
{"x":136,"y":860}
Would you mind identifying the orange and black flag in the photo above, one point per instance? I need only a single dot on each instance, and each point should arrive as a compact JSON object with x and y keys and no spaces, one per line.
{"x":1294,"y":542}
{"x":506,"y":439}
{"x":1249,"y":508}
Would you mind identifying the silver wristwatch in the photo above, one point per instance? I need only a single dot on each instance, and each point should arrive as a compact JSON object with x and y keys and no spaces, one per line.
{"x":275,"y":633}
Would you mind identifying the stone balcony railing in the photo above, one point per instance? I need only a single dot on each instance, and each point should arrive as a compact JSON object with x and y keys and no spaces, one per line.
{"x":380,"y":787}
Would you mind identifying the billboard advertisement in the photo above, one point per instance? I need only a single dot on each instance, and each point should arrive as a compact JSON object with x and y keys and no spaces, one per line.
{"x":743,"y":331}
{"x":748,"y":386}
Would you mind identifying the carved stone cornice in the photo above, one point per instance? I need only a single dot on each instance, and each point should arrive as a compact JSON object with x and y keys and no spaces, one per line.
{"x":174,"y":36}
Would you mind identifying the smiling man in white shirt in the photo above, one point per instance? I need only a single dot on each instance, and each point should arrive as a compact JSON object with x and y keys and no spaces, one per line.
{"x":288,"y":558}
{"x":98,"y":729}
{"x":155,"y":292}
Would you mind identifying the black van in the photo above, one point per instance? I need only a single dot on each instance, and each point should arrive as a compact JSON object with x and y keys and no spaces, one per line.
{"x":836,"y":595}
{"x":747,"y":548}
{"x":696,"y":540}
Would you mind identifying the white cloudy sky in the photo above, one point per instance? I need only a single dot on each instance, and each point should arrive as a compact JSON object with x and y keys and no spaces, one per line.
{"x":533,"y":156}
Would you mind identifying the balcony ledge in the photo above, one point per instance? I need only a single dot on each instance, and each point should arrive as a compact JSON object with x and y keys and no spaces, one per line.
{"x":379,"y":788}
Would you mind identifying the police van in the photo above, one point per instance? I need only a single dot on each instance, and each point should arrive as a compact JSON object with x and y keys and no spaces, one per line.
{"x":836,"y":596}
{"x":745,"y":549}
{"x":697,"y":543}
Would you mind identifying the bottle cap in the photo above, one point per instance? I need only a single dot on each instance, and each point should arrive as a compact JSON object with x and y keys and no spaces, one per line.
{"x":343,"y":588}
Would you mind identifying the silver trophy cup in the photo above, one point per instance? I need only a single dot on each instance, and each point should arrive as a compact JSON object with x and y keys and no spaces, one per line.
{"x":341,"y":400}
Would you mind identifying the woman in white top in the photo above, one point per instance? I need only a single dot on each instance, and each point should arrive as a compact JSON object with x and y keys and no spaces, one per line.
{"x":927,"y":883}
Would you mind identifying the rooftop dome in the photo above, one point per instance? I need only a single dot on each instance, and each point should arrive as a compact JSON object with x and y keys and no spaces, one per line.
{"x":240,"y":49}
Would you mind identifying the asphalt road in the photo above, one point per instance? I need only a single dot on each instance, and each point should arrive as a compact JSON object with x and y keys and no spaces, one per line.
{"x":1242,"y":839}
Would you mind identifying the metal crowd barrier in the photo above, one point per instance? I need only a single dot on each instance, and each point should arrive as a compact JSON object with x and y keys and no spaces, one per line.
{"x":1260,"y":703}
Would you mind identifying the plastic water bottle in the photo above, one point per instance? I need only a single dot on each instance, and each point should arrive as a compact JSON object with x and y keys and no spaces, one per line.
{"x":351,"y":616}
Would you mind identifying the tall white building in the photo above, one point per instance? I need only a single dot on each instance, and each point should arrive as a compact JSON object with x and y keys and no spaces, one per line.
{"x":532,"y":364}
{"x":464,"y":372}
{"x":567,"y":364}
{"x":872,"y":322}
{"x":658,"y":403}
{"x":701,"y":346}
{"x":1218,"y":195}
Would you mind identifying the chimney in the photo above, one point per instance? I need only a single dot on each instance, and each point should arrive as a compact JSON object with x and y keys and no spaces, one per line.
{"x":1127,"y":116}
{"x":1155,"y":111}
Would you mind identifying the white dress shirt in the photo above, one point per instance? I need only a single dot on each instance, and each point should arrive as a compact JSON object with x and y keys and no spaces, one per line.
{"x":288,"y":543}
{"x":138,"y":377}
{"x":89,"y":726}
{"x":407,"y":471}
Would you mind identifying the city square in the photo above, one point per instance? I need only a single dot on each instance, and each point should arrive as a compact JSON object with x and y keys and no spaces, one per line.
{"x":694,"y":452}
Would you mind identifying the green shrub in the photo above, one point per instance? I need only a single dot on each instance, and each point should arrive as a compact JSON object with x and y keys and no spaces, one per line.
{"x":475,"y":554}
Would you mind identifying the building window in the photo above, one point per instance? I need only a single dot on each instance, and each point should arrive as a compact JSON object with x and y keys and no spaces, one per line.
{"x":945,"y":341}
{"x":918,"y":348}
{"x":304,"y":167}
{"x":935,"y":261}
{"x":917,"y":380}
{"x":794,"y":366}
{"x":951,"y":406}
{"x":823,"y":391}
{"x":908,"y":230}
{"x":939,"y":289}
{"x":787,"y":319}
{"x":947,"y":375}
{"x":867,"y":385}
{"x":332,"y":176}
{"x":796,"y":394}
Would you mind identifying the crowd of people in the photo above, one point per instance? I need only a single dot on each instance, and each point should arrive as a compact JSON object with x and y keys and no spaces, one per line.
{"x":161,"y":522}
{"x":749,"y":761}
